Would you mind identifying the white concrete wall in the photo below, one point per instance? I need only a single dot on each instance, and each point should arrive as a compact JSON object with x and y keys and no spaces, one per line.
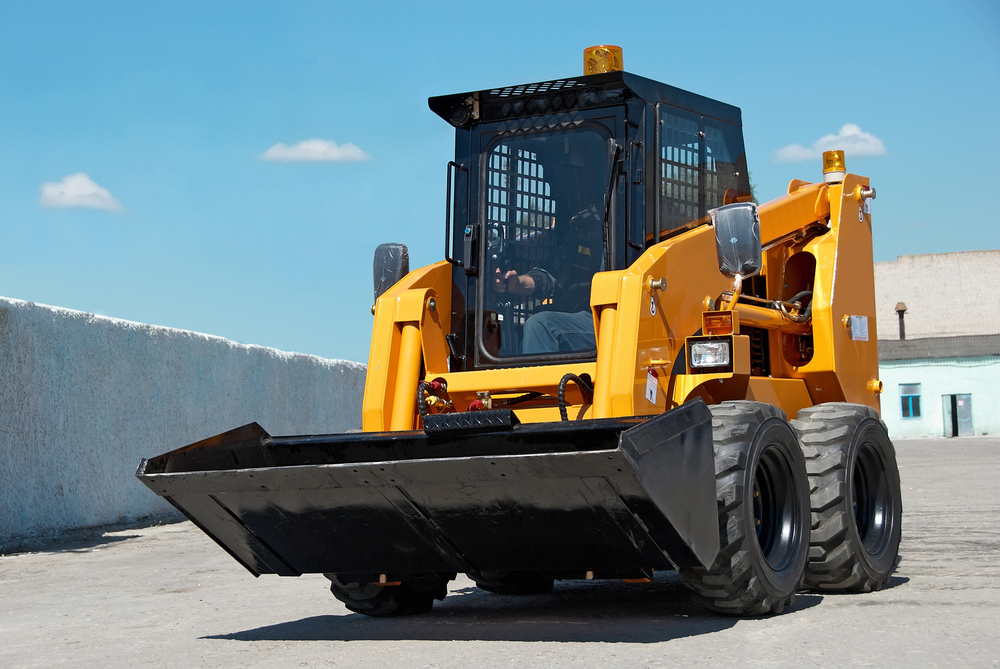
{"x":84,"y":397}
{"x":956,"y":376}
{"x":946,"y":294}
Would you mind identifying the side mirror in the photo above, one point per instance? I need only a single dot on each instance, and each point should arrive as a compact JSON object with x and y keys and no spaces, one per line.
{"x":737,"y":239}
{"x":392,"y":263}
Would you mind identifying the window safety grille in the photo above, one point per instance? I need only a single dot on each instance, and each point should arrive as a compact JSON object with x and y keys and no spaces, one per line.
{"x":720,"y":170}
{"x":679,"y":158}
{"x":520,"y":198}
{"x":696,"y":169}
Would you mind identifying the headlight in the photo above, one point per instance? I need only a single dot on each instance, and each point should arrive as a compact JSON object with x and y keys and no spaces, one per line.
{"x":710,"y":354}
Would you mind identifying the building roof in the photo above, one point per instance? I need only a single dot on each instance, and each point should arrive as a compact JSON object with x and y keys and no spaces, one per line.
{"x":935,"y":287}
{"x":973,"y":346}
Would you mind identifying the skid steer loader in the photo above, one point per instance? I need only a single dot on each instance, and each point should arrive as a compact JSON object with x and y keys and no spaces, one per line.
{"x":622,"y":365}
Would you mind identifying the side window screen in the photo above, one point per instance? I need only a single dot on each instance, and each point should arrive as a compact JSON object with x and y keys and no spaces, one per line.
{"x":699,"y":169}
{"x":680,"y":155}
{"x":720,"y":170}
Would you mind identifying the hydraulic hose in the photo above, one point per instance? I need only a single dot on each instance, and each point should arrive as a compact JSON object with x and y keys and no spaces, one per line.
{"x":804,"y":316}
{"x":421,"y":406}
{"x":430,"y":387}
{"x":527,"y":397}
{"x":585,"y":388}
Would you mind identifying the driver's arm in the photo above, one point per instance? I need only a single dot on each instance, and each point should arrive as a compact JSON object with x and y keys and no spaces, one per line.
{"x":513,"y":283}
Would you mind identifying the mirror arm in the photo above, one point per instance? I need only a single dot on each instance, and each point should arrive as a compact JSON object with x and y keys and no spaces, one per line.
{"x":737,"y":288}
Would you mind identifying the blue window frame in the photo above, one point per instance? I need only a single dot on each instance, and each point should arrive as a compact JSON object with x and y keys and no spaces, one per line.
{"x":909,"y":398}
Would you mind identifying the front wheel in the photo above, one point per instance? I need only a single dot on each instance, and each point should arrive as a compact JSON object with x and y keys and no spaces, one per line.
{"x":763,"y":501}
{"x":856,"y":501}
{"x":409,"y":596}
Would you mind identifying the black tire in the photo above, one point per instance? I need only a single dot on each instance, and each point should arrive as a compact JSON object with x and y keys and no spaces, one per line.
{"x":513,"y":582}
{"x":409,"y":597}
{"x":763,"y":498}
{"x":857,"y":505}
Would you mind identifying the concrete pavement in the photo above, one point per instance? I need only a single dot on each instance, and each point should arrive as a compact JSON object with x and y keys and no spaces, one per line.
{"x":167,"y":596}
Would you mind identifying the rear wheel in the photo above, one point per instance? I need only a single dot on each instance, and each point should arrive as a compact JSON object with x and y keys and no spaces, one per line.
{"x":763,"y":501}
{"x":513,"y":582}
{"x":414,"y":595}
{"x":856,"y":499}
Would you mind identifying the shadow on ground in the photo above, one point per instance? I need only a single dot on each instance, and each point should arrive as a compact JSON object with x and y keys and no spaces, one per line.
{"x":895,"y":582}
{"x":85,"y":539}
{"x":574,"y":611}
{"x":82,"y":543}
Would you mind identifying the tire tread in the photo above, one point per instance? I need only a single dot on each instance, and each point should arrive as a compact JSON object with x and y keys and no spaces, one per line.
{"x":732,"y":586}
{"x":826,"y":432}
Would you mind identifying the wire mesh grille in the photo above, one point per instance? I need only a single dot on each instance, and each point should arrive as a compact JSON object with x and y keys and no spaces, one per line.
{"x":696,"y":170}
{"x":679,"y":170}
{"x":720,"y":172}
{"x":520,"y":198}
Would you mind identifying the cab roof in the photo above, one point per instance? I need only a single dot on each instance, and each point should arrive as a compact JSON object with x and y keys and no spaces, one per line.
{"x":570,"y":94}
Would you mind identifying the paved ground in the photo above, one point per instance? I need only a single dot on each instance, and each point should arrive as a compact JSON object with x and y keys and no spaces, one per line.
{"x":167,"y":596}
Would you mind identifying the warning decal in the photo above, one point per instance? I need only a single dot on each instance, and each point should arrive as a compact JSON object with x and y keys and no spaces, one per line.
{"x":859,"y":328}
{"x":651,"y":385}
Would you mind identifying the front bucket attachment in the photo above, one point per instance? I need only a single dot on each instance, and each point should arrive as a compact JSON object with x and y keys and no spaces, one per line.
{"x":608,"y":496}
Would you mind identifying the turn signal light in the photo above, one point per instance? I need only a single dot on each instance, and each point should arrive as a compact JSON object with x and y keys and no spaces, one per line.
{"x":719,"y":323}
{"x":603,"y":58}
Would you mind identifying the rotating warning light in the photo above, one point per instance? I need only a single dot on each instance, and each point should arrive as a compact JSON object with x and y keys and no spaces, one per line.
{"x":834,"y":167}
{"x":603,"y":58}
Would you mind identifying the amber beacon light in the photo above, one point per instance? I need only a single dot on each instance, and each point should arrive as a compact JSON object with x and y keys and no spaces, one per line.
{"x":602,"y":58}
{"x":834,"y":168}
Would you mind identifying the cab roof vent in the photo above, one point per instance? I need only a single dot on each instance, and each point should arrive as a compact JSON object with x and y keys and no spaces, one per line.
{"x":528,"y":89}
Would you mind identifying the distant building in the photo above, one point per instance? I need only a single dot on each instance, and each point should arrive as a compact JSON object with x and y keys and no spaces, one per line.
{"x":941,"y":386}
{"x":940,"y":379}
{"x":946,"y":294}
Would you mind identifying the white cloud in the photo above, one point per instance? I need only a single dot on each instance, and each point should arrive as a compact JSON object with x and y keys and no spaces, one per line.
{"x":315,"y":151}
{"x":851,"y":139}
{"x":77,"y":190}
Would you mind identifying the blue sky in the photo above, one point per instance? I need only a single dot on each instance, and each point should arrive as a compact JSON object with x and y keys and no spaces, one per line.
{"x":167,"y":108}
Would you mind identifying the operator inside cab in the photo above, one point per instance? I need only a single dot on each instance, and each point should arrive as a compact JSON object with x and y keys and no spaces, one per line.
{"x":552,"y":225}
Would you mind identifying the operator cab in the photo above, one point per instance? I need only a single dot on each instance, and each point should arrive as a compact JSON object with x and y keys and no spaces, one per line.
{"x":556,"y":181}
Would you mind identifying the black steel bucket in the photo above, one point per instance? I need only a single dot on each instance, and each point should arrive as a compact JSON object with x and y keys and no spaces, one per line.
{"x":613,"y":496}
